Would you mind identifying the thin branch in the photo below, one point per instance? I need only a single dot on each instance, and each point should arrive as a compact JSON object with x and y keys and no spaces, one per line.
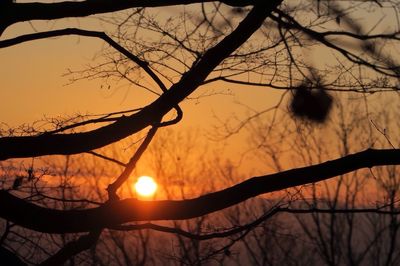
{"x":177,"y":119}
{"x":363,"y":37}
{"x":112,"y":188}
{"x":44,"y":196}
{"x":327,"y":87}
{"x":73,"y":248}
{"x":107,"y":158}
{"x":291,"y":23}
{"x":241,"y":228}
{"x":174,"y":230}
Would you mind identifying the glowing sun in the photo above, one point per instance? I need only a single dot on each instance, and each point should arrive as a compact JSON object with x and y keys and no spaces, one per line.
{"x":145,"y":186}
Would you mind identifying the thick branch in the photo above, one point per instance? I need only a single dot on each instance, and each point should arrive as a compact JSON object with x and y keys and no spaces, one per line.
{"x":19,"y":12}
{"x":56,"y":221}
{"x":29,"y":146}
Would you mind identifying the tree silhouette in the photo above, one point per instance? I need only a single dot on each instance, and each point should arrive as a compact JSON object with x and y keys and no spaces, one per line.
{"x":246,"y":42}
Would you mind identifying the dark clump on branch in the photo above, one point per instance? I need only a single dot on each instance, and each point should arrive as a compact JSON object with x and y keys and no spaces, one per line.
{"x":311,"y":104}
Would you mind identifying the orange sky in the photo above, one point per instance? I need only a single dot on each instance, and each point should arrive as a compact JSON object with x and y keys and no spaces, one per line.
{"x":32,"y":85}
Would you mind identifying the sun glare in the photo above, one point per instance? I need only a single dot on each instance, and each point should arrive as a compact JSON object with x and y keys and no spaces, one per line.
{"x":145,"y":186}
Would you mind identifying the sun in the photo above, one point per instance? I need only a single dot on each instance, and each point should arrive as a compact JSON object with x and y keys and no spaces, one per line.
{"x":145,"y":186}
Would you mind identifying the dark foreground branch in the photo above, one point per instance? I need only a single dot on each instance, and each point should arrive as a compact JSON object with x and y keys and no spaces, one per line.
{"x":30,"y":146}
{"x":11,"y":13}
{"x":48,"y":11}
{"x":115,"y":213}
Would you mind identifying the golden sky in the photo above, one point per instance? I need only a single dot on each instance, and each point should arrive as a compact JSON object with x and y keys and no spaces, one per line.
{"x":33,"y":86}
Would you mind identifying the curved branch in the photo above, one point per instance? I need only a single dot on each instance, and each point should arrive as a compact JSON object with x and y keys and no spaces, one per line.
{"x":207,"y":236}
{"x":30,"y":146}
{"x":115,"y":213}
{"x":87,"y":33}
{"x":327,"y":87}
{"x":250,"y":225}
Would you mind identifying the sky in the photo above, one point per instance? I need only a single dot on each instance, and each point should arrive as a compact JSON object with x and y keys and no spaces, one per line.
{"x":33,"y":86}
{"x":33,"y":81}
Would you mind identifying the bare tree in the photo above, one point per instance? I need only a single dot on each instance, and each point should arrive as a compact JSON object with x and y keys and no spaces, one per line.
{"x":351,"y":220}
{"x":250,"y":43}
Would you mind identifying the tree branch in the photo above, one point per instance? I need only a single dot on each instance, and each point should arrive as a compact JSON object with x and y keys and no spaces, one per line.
{"x":112,"y":188}
{"x":10,"y":258}
{"x":386,"y":69}
{"x":238,"y":229}
{"x":115,"y":213}
{"x":11,"y":13}
{"x":107,"y":158}
{"x":87,"y":33}
{"x":72,"y":248}
{"x":30,"y":146}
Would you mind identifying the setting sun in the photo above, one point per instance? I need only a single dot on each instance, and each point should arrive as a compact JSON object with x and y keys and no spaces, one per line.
{"x":145,"y":186}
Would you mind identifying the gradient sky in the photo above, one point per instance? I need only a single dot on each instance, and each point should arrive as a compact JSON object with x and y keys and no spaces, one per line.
{"x":32,"y":85}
